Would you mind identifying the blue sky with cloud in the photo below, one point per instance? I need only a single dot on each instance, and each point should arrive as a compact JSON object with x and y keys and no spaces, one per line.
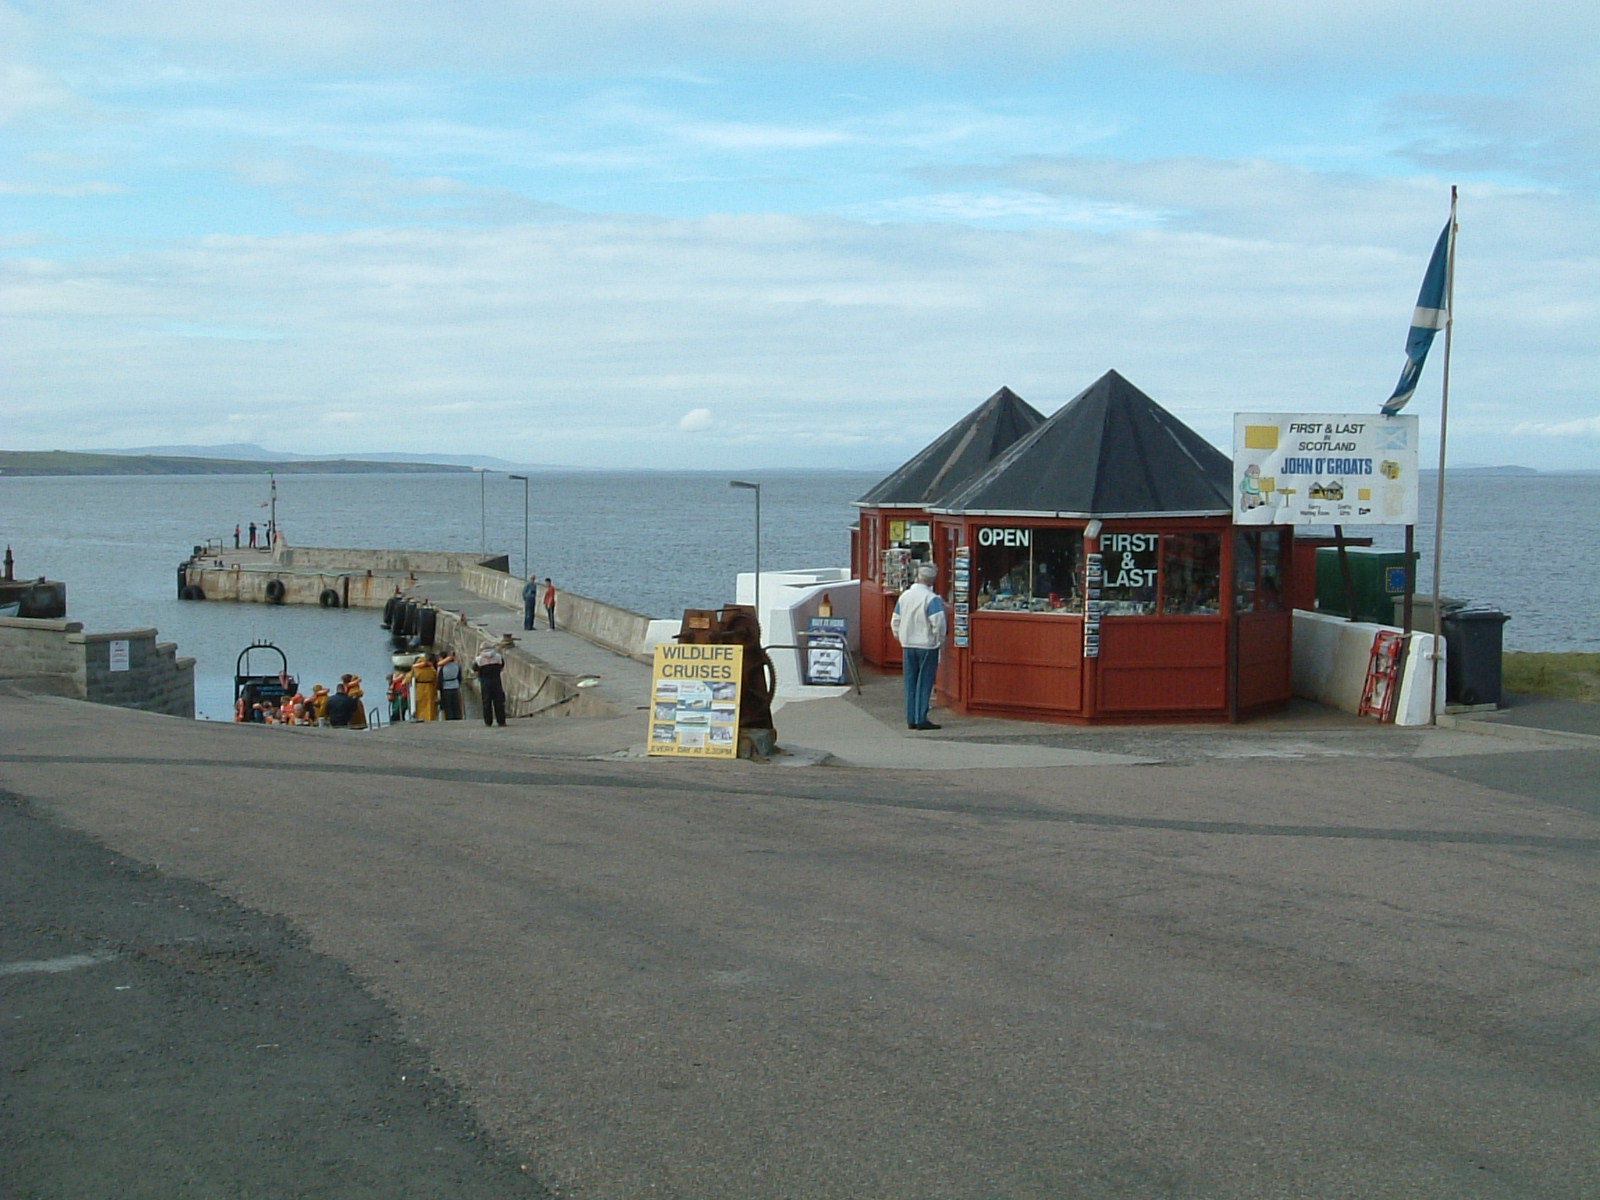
{"x":709,"y":234}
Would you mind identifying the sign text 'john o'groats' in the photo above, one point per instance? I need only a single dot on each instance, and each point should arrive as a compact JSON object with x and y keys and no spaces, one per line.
{"x":694,"y":700}
{"x":1324,"y":469}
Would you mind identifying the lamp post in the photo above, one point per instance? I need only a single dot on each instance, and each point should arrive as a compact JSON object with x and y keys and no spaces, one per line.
{"x":524,"y":479}
{"x":483,"y":511}
{"x":756,"y":488}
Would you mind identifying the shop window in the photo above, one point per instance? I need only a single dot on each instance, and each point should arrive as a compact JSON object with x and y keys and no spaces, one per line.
{"x":1130,"y":564}
{"x":1191,"y":574}
{"x":910,"y":544}
{"x":1258,"y":570}
{"x":1029,"y":570}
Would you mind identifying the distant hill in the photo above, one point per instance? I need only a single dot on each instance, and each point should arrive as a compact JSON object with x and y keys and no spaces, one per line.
{"x":1476,"y":470}
{"x":69,"y":462}
{"x":250,"y":452}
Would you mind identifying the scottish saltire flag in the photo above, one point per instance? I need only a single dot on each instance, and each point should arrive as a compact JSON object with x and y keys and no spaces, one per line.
{"x":1431,"y":315}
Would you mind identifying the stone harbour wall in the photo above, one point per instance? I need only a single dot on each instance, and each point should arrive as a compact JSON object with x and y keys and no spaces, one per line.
{"x":36,"y":649}
{"x":127,"y":669}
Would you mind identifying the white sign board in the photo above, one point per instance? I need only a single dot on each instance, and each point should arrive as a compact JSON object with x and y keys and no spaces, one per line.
{"x":119,"y":655}
{"x":1324,"y":469}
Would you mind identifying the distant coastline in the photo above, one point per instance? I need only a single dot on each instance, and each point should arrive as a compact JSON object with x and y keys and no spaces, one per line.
{"x":35,"y":463}
{"x":18,"y":463}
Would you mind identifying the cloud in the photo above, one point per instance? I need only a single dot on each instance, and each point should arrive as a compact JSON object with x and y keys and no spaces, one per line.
{"x":1009,"y":207}
{"x":64,"y":191}
{"x":1583,"y":427}
{"x":609,"y":340}
{"x":603,"y":35}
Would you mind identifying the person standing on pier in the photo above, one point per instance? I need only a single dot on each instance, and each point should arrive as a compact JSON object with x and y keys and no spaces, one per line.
{"x":550,"y":602}
{"x":450,"y":686}
{"x":530,"y":603}
{"x":252,"y":535}
{"x":235,"y":537}
{"x":425,"y":689}
{"x":488,"y":667}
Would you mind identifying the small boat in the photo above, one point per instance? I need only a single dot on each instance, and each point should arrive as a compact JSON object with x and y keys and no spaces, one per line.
{"x":254,"y":690}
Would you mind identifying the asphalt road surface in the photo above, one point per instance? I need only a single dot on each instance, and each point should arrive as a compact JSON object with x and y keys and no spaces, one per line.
{"x":1276,"y":977}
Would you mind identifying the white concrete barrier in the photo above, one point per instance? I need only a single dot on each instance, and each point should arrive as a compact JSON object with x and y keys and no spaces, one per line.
{"x":789,"y":599}
{"x":1332,"y":654}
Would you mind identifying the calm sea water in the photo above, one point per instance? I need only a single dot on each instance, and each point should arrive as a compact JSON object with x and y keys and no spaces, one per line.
{"x":655,"y":543}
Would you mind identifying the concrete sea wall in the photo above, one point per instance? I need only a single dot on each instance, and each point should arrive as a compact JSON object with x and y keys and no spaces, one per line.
{"x":274,"y":585}
{"x":616,"y":629}
{"x":128,"y":669}
{"x":531,"y":688}
{"x":379,"y":562}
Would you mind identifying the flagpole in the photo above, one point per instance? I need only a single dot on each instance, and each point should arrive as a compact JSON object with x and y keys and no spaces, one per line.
{"x":1444,"y":431}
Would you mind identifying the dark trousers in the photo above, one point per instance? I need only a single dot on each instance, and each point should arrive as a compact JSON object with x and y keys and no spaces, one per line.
{"x":530,"y":611}
{"x":494,"y":703}
{"x":550,"y":611}
{"x":450,"y":703}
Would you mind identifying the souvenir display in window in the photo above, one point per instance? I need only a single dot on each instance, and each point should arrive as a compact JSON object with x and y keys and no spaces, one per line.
{"x":1191,"y":574}
{"x":896,"y":570}
{"x":1029,"y":570}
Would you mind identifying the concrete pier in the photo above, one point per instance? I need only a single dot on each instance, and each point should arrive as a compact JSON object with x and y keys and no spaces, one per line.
{"x":326,"y":576}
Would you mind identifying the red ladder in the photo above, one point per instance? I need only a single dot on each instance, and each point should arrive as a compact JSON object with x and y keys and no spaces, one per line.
{"x":1382,"y":688}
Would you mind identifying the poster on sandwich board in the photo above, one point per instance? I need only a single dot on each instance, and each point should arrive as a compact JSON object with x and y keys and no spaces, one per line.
{"x":694,"y":700}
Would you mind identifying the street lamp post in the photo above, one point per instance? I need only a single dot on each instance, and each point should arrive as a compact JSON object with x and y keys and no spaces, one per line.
{"x":524,"y":479}
{"x":756,"y":488}
{"x":483,"y":512}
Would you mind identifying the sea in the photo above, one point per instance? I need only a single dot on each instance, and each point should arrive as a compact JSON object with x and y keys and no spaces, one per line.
{"x":650,"y":542}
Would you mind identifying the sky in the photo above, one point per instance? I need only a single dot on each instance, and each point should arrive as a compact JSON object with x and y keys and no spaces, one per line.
{"x":709,"y":234}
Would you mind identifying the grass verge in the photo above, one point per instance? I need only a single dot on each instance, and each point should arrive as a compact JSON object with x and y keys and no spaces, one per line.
{"x":1566,"y":676}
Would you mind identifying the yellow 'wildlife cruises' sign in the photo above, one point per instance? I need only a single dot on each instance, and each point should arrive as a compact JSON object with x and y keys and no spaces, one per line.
{"x":694,"y":700}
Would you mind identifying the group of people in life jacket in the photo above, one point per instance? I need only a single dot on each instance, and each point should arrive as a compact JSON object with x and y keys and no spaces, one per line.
{"x":341,"y":708}
{"x":429,"y":690}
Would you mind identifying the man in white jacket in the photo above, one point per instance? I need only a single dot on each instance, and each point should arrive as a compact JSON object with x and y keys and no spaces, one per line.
{"x":918,"y":625}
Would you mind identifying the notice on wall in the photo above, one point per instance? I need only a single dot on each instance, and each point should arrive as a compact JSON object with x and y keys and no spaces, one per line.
{"x":694,"y":700}
{"x":119,"y":655}
{"x":1324,"y":469}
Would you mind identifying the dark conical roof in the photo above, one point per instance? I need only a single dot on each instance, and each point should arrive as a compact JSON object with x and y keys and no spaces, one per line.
{"x":958,"y":454}
{"x":1111,"y":451}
